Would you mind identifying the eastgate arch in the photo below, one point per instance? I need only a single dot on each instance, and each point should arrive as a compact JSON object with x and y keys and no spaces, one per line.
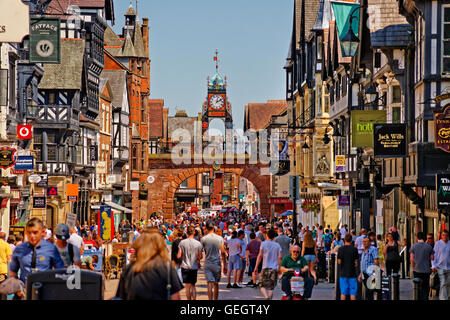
{"x":168,"y":177}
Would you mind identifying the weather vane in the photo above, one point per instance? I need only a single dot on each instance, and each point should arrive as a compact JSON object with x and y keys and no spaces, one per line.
{"x":216,"y":60}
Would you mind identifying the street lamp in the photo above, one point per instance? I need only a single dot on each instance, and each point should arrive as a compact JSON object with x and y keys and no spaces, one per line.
{"x":350,"y":41}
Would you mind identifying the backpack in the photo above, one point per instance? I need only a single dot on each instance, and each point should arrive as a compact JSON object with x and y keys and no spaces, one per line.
{"x":327,"y":239}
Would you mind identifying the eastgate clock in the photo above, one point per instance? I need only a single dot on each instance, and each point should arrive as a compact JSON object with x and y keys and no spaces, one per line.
{"x":216,"y":101}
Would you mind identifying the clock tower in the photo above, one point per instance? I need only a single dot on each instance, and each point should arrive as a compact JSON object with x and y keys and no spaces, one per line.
{"x":217,"y":104}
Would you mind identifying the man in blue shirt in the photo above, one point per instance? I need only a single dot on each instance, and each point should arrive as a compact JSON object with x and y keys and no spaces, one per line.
{"x":36,"y":254}
{"x":369,"y":257}
{"x":441,"y":264}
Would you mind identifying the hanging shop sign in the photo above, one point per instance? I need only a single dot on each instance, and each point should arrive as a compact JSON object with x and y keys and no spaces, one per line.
{"x":72,"y":192}
{"x":339,"y":164}
{"x":24,"y":163}
{"x":7,"y":159}
{"x":150,"y":179}
{"x":343,"y":201}
{"x":71,"y":220}
{"x":389,"y":140}
{"x":39,"y":202}
{"x":34,"y":178}
{"x":443,"y":190}
{"x":362,"y":190}
{"x":362,"y":126}
{"x":45,"y":40}
{"x":14,"y":21}
{"x":43,"y":183}
{"x":8,"y":181}
{"x":106,"y":223}
{"x":24,"y":132}
{"x":93,"y":153}
{"x":280,"y":167}
{"x":442,"y":129}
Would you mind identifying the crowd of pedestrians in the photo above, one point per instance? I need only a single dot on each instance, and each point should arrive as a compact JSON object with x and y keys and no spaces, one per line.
{"x":168,"y":256}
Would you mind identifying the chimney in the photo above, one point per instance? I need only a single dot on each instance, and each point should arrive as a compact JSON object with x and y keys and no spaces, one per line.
{"x":145,"y":36}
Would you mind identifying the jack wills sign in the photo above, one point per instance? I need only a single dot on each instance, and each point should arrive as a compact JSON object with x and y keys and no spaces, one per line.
{"x":389,"y":140}
{"x":442,"y":129}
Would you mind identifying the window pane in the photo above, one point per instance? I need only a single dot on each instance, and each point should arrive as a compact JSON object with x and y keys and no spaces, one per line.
{"x":446,"y":48}
{"x":396,"y":114}
{"x":51,"y":137}
{"x":37,"y":138}
{"x":51,"y":153}
{"x":396,"y":94}
{"x":446,"y":31}
{"x":447,"y":14}
{"x":38,"y":150}
{"x":446,"y":65}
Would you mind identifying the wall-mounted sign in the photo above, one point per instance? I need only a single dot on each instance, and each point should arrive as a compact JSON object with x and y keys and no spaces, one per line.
{"x":39,"y":202}
{"x":150,"y":179}
{"x":52,"y":191}
{"x":24,"y":132}
{"x":363,"y":190}
{"x":8,"y":181}
{"x":339,"y":164}
{"x":134,"y":185}
{"x":389,"y":140}
{"x":442,"y":129}
{"x":71,"y":220}
{"x":14,"y":21}
{"x":111,"y":179}
{"x":7,"y":159}
{"x":45,"y":40}
{"x":24,"y":163}
{"x":443,"y":190}
{"x":362,"y":126}
{"x":43,"y":183}
{"x":34,"y":178}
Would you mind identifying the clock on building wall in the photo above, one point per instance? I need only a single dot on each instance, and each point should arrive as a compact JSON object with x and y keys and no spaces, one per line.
{"x":216,"y":101}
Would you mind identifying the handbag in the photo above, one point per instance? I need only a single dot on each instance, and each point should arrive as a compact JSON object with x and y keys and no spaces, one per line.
{"x":435,"y":283}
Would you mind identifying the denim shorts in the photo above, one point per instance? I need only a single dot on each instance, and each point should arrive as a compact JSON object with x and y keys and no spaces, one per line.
{"x":234,"y":262}
{"x":310,"y":258}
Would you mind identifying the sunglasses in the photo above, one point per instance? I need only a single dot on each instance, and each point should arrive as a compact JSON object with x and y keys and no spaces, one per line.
{"x":295,"y":251}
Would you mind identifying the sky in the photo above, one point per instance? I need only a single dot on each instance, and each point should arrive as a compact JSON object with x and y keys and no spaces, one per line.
{"x":252,"y":37}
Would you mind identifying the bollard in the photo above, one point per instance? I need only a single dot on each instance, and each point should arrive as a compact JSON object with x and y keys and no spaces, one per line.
{"x":395,"y":286}
{"x":417,"y":287}
{"x":331,"y":263}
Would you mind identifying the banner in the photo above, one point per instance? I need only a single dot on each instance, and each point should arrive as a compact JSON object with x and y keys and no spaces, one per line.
{"x":43,"y":183}
{"x":443,"y":191}
{"x":106,"y":223}
{"x":362,"y":126}
{"x":389,"y":140}
{"x":442,"y":129}
{"x":342,"y":11}
{"x":45,"y":40}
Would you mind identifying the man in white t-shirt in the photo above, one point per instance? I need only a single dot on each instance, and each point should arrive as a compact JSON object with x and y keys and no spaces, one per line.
{"x":359,"y":241}
{"x":76,"y":240}
{"x":270,"y":253}
{"x":343,"y":231}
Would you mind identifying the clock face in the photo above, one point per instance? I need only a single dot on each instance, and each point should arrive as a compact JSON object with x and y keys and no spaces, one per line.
{"x":216,"y":101}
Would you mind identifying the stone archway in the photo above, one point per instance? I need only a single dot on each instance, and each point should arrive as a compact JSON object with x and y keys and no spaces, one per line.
{"x":169,"y":176}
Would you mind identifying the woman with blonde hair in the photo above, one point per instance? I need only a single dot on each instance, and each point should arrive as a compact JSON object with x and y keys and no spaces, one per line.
{"x":151,"y":275}
{"x":309,"y":252}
